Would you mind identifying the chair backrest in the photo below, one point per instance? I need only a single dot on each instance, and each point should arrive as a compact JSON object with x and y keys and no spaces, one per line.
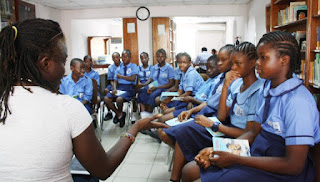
{"x":94,"y":92}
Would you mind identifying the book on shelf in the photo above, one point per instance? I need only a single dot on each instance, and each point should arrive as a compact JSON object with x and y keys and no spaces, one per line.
{"x":318,"y":38}
{"x":303,"y":66}
{"x":311,"y":72}
{"x":318,"y":7}
{"x":300,"y":37}
{"x":235,"y":146}
{"x":291,"y":8}
{"x":316,"y":67}
{"x":300,"y":12}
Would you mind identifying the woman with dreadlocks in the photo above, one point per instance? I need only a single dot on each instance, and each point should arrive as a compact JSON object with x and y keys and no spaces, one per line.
{"x":42,"y":129}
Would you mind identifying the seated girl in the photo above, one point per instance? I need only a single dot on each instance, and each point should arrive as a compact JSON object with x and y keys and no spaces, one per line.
{"x":209,"y":107}
{"x":177,"y":77}
{"x":143,"y":79}
{"x":125,"y":80}
{"x":287,"y":124}
{"x":111,"y":72}
{"x":163,"y":74}
{"x":201,"y":95}
{"x":190,"y":82}
{"x":240,"y":105}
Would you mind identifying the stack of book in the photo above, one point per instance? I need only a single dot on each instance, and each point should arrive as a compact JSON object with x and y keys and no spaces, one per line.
{"x":294,"y":12}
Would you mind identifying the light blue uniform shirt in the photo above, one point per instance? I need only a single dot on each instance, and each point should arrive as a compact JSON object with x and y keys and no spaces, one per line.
{"x":166,"y":74}
{"x":205,"y":90}
{"x":293,"y":115}
{"x":191,"y":80}
{"x":144,"y":74}
{"x":245,"y":102}
{"x":93,"y":75}
{"x":177,"y":73}
{"x":82,"y":89}
{"x":213,"y":99}
{"x":132,"y":69}
{"x":112,"y":70}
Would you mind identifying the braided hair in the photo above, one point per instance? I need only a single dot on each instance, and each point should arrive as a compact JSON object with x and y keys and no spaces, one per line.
{"x":247,"y":48}
{"x":21,"y":47}
{"x":285,"y":44}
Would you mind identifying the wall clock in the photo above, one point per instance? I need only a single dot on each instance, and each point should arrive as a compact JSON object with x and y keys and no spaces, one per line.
{"x":143,"y":13}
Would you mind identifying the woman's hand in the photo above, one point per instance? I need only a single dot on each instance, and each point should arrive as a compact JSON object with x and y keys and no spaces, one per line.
{"x":222,"y":159}
{"x":202,"y":158}
{"x":163,"y":106}
{"x":185,"y":115}
{"x":203,"y":121}
{"x":146,"y":123}
{"x":119,"y":75}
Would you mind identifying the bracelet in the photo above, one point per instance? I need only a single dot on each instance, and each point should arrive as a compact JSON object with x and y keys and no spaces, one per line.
{"x":129,"y":135}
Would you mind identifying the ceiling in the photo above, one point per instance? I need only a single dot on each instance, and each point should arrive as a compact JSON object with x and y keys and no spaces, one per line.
{"x":88,"y":4}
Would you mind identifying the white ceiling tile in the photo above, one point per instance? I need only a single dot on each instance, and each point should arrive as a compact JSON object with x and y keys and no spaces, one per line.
{"x":82,"y":4}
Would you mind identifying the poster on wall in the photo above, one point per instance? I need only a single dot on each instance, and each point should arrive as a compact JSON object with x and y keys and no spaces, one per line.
{"x":161,"y":29}
{"x":131,"y":28}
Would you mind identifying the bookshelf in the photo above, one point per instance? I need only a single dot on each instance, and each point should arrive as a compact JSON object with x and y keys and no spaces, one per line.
{"x":281,"y":16}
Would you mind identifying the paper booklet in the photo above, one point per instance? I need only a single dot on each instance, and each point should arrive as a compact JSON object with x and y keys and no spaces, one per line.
{"x":119,"y":92}
{"x":235,"y":146}
{"x":165,"y":95}
{"x":177,"y":99}
{"x":175,"y":121}
{"x":153,"y":84}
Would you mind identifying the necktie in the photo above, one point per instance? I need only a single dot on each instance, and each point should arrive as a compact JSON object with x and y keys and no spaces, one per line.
{"x":158,"y":74}
{"x":233,"y":103}
{"x":125,"y":71}
{"x":144,"y":75}
{"x":217,"y":85}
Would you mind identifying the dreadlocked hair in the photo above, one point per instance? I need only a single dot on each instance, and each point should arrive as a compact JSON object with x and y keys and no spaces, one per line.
{"x":285,"y":44}
{"x":19,"y":54}
{"x":247,"y":48}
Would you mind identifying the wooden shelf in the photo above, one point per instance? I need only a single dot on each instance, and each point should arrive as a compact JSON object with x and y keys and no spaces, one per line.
{"x":316,"y":16}
{"x":282,"y":1}
{"x":291,"y":24}
{"x":316,"y":51}
{"x":314,"y":86}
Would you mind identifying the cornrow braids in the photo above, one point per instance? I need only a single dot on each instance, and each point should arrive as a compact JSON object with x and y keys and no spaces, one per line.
{"x":247,"y":48}
{"x":285,"y":44}
{"x":36,"y":38}
{"x":162,"y":51}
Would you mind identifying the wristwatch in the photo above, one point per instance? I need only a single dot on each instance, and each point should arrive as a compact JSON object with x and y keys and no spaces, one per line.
{"x":215,"y":127}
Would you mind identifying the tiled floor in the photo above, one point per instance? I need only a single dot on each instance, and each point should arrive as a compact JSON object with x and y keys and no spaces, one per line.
{"x":146,"y":160}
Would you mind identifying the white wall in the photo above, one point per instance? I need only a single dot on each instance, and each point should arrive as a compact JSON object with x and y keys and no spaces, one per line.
{"x":145,"y":27}
{"x":256,"y":20}
{"x":46,"y":12}
{"x":82,"y":29}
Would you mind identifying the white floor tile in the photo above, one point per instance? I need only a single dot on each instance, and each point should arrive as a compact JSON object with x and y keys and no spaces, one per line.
{"x":160,"y":172}
{"x":157,"y":180}
{"x":140,"y":158}
{"x":122,"y":179}
{"x":135,"y":171}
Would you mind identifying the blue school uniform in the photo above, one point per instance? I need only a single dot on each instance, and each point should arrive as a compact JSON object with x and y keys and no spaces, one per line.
{"x":125,"y":85}
{"x":177,"y":74}
{"x":190,"y":81}
{"x":288,"y":116}
{"x":82,"y":90}
{"x":199,"y":137}
{"x":161,"y":74}
{"x":111,"y":72}
{"x":202,"y":95}
{"x":144,"y":75}
{"x":94,"y":75}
